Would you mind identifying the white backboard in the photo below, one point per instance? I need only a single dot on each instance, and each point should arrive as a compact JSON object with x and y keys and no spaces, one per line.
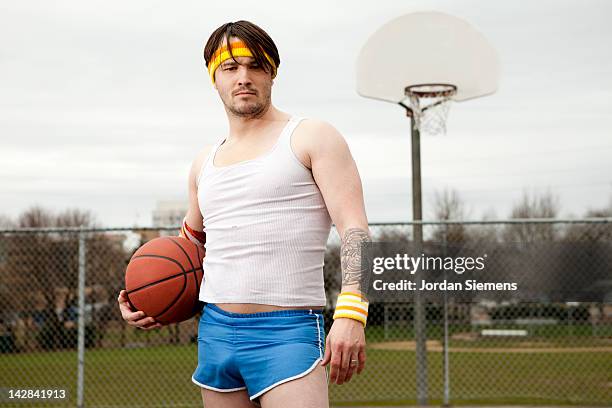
{"x":423,"y":48}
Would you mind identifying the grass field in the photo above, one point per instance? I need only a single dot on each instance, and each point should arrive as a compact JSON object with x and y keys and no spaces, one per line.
{"x":161,"y":376}
{"x":546,"y":336}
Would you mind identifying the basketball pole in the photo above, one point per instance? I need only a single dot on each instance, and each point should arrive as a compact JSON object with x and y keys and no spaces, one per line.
{"x":447,"y":41}
{"x":417,"y":231}
{"x":81,"y":322}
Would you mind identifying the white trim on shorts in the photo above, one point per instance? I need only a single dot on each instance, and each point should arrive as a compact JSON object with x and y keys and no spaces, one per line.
{"x":312,"y":367}
{"x":321,"y":348}
{"x":208,"y":387}
{"x":286,"y":380}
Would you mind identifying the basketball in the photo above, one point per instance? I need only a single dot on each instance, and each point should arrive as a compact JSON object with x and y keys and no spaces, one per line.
{"x":163,"y":279}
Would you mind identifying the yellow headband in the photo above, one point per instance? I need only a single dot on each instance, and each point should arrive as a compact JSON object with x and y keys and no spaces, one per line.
{"x":239,"y":49}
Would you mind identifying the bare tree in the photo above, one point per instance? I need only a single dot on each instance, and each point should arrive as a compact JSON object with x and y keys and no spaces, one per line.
{"x":38,"y":265}
{"x":545,"y":205}
{"x":6,"y":222}
{"x":586,"y":255}
{"x":75,"y":218}
{"x":39,"y":262}
{"x":448,"y":206}
{"x":592,"y":232}
{"x":486,"y":233}
{"x":35,"y":217}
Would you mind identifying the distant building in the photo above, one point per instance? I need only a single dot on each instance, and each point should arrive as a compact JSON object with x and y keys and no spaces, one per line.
{"x":169,"y":214}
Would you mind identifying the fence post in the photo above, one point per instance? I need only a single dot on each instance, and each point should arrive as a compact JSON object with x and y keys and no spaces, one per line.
{"x":81,"y":323}
{"x":446,"y":345}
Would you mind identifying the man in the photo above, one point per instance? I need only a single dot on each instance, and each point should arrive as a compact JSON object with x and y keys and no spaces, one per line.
{"x":262,"y":200}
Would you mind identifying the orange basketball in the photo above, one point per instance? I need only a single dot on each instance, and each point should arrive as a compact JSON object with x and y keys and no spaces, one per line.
{"x":163,"y":279}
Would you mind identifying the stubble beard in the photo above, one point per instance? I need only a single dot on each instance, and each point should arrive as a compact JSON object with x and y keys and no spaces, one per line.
{"x":250,"y":110}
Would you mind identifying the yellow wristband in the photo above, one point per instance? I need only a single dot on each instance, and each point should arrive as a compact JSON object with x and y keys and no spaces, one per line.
{"x":353,"y":306}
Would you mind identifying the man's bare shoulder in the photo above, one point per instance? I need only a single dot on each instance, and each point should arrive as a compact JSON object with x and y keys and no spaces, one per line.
{"x":304,"y":139}
{"x":203,"y":153}
{"x":316,"y":128}
{"x":314,"y":137}
{"x":199,"y":159}
{"x":314,"y":134}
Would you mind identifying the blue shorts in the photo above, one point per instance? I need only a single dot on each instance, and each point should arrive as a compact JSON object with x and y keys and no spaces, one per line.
{"x":257,"y":351}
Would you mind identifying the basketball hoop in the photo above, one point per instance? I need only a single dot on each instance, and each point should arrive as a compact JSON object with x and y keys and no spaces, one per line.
{"x":429,"y":106}
{"x":422,"y":71}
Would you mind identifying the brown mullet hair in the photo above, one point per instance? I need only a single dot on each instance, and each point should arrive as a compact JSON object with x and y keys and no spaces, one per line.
{"x":252,"y":35}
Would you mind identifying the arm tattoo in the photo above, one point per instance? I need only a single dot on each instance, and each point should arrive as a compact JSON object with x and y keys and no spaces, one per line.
{"x":353,"y":272}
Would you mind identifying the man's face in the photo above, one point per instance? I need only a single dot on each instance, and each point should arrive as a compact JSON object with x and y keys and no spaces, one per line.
{"x":244,"y":87}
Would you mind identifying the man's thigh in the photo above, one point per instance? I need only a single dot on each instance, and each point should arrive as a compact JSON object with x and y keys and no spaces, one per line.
{"x":309,"y":391}
{"x":234,"y":399}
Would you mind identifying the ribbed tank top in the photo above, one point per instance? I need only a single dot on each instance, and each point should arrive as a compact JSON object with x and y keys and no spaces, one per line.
{"x":266,"y":227}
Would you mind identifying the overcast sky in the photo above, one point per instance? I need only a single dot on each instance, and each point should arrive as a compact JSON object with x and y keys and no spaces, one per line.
{"x":104,"y":103}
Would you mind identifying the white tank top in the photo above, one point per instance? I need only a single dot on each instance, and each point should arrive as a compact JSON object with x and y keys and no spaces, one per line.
{"x":266,"y":227}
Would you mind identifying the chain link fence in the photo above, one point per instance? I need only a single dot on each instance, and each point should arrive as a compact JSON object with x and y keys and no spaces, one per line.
{"x":60,"y":327}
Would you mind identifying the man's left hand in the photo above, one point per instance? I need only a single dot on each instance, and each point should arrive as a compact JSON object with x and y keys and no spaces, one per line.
{"x":345,"y":349}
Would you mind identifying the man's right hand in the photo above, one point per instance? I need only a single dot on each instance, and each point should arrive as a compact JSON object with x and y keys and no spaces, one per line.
{"x":135,"y":318}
